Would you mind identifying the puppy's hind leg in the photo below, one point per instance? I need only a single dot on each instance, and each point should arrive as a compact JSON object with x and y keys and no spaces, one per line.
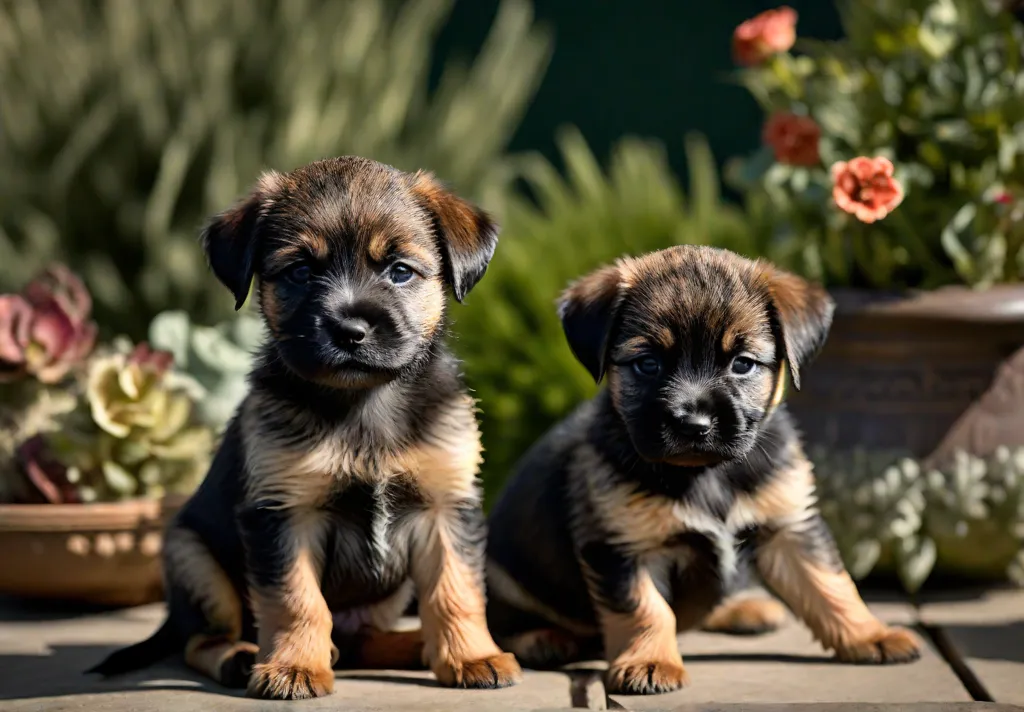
{"x":202,"y":593}
{"x":748,"y":614}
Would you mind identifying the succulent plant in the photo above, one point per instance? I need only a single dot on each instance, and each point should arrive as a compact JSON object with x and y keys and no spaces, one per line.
{"x":889,"y":513}
{"x":133,"y":434}
{"x":45,"y":331}
{"x":217,"y":357}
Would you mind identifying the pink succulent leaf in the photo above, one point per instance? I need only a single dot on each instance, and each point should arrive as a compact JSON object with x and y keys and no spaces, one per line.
{"x":45,"y":473}
{"x":60,"y":284}
{"x":15,"y":322}
{"x":52,"y":329}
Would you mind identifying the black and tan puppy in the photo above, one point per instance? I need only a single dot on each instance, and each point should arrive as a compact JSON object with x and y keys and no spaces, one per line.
{"x":643,"y":504}
{"x":347,"y":479}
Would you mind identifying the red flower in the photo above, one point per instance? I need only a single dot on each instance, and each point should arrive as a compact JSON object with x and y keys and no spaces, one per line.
{"x":864,"y":187}
{"x":794,"y":139}
{"x":760,"y":37}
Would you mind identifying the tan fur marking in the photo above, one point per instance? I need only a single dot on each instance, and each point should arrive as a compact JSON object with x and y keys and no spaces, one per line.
{"x":787,"y":500}
{"x":640,"y":522}
{"x":458,"y":220}
{"x":294,"y":622}
{"x":451,"y":602}
{"x":446,"y":468}
{"x":379,"y":246}
{"x":316,"y":244}
{"x":208,"y":653}
{"x":666,"y":339}
{"x":745,"y":615}
{"x":647,"y":636}
{"x":192,"y":567}
{"x":826,"y":601}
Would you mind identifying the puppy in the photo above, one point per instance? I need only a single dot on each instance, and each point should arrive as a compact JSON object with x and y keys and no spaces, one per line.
{"x":642,"y":505}
{"x":347,"y":479}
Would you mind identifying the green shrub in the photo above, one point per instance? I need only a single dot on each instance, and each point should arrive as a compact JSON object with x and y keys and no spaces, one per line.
{"x":127,"y":123}
{"x":508,"y":333}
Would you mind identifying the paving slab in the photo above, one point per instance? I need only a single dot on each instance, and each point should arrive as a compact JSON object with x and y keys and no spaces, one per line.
{"x":986,"y":631}
{"x":42,"y":658}
{"x":787,"y":667}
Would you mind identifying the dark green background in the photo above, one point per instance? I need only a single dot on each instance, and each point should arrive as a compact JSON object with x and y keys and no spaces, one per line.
{"x":652,"y":68}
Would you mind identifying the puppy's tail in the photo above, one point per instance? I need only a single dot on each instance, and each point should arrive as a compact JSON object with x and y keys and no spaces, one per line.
{"x":135,"y":657}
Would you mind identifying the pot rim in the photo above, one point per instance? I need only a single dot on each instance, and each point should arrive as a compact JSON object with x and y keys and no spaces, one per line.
{"x":98,"y":516}
{"x":1000,"y":304}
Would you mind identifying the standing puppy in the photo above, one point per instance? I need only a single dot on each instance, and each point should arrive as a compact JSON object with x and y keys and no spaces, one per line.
{"x":348,"y":476}
{"x":642,"y":504}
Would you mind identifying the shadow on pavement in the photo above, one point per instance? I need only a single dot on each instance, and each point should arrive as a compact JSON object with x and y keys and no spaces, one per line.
{"x":61,"y":673}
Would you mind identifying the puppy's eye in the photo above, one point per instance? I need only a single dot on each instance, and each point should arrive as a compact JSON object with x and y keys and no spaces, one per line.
{"x":647,"y":366}
{"x":741,"y":365}
{"x":400,"y":273}
{"x":299,"y":274}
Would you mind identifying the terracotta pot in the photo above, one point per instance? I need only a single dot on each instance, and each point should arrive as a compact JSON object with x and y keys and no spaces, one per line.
{"x":898,"y":371}
{"x":105,"y":554}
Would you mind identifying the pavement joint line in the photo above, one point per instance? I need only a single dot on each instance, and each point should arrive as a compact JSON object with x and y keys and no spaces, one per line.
{"x":942,"y":642}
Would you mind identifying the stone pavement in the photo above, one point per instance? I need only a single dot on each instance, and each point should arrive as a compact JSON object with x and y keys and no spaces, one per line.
{"x":974,"y":661}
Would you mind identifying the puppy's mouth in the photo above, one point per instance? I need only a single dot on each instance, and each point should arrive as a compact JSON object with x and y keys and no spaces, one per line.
{"x":693,"y":459}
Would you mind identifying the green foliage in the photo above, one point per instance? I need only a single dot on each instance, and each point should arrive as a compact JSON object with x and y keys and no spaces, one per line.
{"x":889,"y":512}
{"x":937,"y":86}
{"x":127,"y":123}
{"x":508,"y":333}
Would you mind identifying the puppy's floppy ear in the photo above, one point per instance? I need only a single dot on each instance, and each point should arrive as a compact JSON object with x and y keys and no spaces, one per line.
{"x":230,"y":239}
{"x":588,"y":309}
{"x":804,"y":314}
{"x":466,"y":235}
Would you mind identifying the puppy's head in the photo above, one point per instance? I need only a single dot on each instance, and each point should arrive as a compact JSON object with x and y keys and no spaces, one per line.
{"x":696,"y":342}
{"x":351,"y":260}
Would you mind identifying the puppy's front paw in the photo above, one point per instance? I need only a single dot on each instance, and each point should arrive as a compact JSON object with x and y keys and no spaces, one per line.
{"x":650,"y":678}
{"x":283,"y":682}
{"x":890,"y":645}
{"x":750,"y":616}
{"x":490,"y":673}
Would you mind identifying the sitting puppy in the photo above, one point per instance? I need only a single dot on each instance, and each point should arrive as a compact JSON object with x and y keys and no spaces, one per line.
{"x":641,"y":505}
{"x":347,"y":479}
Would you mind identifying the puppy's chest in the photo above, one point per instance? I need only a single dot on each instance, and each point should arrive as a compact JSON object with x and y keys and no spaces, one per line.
{"x":366,"y":554}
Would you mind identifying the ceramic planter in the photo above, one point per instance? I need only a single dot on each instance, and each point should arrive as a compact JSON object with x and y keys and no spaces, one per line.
{"x":106,"y":554}
{"x":898,"y":372}
{"x":914,"y":415}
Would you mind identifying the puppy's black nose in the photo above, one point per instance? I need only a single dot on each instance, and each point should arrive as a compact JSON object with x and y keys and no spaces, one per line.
{"x":693,"y":425}
{"x":349,"y":331}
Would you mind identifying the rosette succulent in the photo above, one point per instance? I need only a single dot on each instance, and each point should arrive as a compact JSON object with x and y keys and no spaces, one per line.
{"x":217,"y":357}
{"x":134,"y":434}
{"x":45,"y":331}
